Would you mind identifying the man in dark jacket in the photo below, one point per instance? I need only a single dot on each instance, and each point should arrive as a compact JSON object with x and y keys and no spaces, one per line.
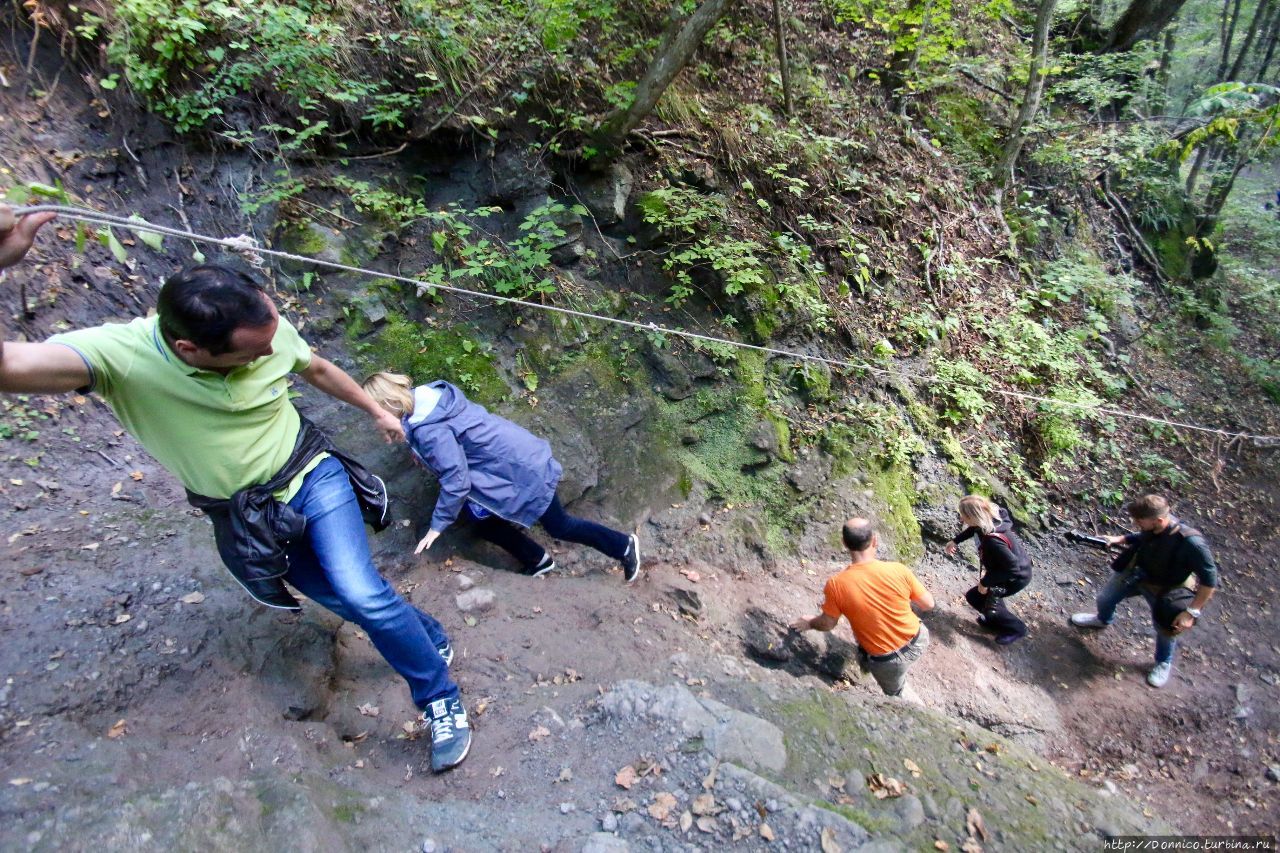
{"x":1158,"y":563}
{"x":203,"y":387}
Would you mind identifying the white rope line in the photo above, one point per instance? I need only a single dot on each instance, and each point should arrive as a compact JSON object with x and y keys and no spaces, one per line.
{"x":250,"y":247}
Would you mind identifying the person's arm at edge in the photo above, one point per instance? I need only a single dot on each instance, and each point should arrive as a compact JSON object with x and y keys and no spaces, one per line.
{"x":27,"y":367}
{"x":821,"y":622}
{"x":334,"y":381}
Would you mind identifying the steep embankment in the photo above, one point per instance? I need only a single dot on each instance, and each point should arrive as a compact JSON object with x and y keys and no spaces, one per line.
{"x":142,"y":686}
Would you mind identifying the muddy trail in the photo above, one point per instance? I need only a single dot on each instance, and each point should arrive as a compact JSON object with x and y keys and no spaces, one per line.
{"x":145,"y":702}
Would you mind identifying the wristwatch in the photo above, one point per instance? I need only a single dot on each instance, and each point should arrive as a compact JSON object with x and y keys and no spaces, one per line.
{"x":1194,"y":612}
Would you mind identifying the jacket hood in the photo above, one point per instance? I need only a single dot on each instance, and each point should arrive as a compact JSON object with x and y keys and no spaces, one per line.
{"x":451,"y":403}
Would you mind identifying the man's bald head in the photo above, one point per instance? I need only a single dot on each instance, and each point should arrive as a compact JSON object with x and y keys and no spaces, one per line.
{"x":858,"y":535}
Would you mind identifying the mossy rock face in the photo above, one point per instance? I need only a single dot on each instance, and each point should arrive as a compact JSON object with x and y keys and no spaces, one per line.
{"x":425,"y":354}
{"x":894,"y":489}
{"x":957,"y":766}
{"x":311,"y":240}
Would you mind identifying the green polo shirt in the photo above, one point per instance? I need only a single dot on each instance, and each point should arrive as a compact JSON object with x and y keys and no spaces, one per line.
{"x":216,"y":433}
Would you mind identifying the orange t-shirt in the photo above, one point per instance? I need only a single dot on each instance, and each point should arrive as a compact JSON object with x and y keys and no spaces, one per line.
{"x":876,"y":599}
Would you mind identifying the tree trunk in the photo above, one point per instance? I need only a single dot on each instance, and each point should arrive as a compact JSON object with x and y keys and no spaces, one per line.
{"x":1031,"y":96}
{"x":1201,"y":153}
{"x":677,"y":48}
{"x":1230,"y":15}
{"x":781,"y":36}
{"x":1161,"y":102}
{"x":1143,"y":19}
{"x":1254,"y":23}
{"x":1270,"y":41}
{"x":926,"y":18}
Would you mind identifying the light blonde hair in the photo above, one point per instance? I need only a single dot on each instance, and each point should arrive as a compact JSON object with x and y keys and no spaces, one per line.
{"x":980,"y":512}
{"x":391,"y":391}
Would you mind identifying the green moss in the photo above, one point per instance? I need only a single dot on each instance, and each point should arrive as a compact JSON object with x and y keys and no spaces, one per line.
{"x":302,"y":239}
{"x":347,"y":812}
{"x":424,"y":354}
{"x":894,"y":486}
{"x":876,"y":824}
{"x":1171,"y":248}
{"x":962,"y":125}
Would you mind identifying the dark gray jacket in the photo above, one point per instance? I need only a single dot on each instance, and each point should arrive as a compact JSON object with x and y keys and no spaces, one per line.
{"x":484,"y":458}
{"x":253,"y":530}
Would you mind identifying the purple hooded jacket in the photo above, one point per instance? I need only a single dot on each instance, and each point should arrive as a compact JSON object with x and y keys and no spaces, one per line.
{"x":484,"y":458}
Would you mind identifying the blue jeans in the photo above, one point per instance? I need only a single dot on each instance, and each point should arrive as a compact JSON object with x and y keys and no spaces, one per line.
{"x":332,"y":566}
{"x":560,"y":525}
{"x":1127,"y":584}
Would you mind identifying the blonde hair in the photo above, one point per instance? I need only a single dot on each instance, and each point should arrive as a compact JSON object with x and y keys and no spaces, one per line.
{"x":391,"y":391}
{"x":978,"y":511}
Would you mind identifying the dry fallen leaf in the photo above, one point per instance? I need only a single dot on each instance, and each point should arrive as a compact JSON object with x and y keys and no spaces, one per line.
{"x":660,"y":808}
{"x":939,"y":844}
{"x":192,"y":598}
{"x":622,"y":805}
{"x":976,"y":825}
{"x":21,"y":780}
{"x":686,"y":821}
{"x":117,"y":731}
{"x":912,"y":767}
{"x":626,"y":777}
{"x":369,"y":710}
{"x":136,"y":476}
{"x":566,"y":775}
{"x":495,"y":772}
{"x":706,"y":823}
{"x":884,"y":786}
{"x":1031,"y":798}
{"x":971,"y":846}
{"x":122,"y":618}
{"x":765,"y":832}
{"x":693,"y":576}
{"x":829,"y":844}
{"x":539,"y":733}
{"x":705,"y":804}
{"x":115,"y":490}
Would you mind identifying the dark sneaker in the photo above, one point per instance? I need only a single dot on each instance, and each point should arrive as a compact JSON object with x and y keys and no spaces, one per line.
{"x":1088,"y":620}
{"x":631,"y":560}
{"x":446,"y":653}
{"x":546,"y":564}
{"x":1007,"y":639}
{"x":450,"y":733}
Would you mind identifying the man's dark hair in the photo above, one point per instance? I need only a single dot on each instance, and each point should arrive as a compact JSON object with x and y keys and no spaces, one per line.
{"x":1148,"y":506}
{"x":857,"y":534}
{"x":205,"y":304}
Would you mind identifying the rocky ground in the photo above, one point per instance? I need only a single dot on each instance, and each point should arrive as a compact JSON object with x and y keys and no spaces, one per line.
{"x":146,"y":703}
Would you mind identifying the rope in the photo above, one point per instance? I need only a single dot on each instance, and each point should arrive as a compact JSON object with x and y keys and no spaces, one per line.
{"x":249,"y":246}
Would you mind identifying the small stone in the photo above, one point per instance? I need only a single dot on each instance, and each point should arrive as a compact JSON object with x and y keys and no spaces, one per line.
{"x":476,"y":600}
{"x":609,"y":823}
{"x":632,"y":822}
{"x":430,"y":846}
{"x":1273,"y":772}
{"x":465,"y":582}
{"x":566,"y":808}
{"x":704,"y":519}
{"x":910,"y":811}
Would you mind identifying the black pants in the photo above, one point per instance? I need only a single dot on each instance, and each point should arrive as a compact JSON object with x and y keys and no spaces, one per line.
{"x":996,"y":615}
{"x":559,"y":524}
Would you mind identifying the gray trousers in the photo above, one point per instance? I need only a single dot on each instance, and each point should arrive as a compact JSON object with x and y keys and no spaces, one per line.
{"x":891,"y":673}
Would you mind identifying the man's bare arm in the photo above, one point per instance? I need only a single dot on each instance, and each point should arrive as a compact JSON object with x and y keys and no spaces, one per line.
{"x":821,"y":622}
{"x":923,"y":602}
{"x":334,"y":381}
{"x":33,"y":368}
{"x":41,"y":369}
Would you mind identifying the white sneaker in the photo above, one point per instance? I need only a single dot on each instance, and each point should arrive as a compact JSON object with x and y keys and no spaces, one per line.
{"x":1159,"y":674}
{"x":1087,"y":620}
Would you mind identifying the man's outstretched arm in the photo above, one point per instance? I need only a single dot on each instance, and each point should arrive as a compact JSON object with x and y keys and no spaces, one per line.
{"x":33,"y":368}
{"x":334,"y":381}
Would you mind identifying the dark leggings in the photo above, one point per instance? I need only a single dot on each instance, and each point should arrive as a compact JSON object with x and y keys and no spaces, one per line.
{"x":512,"y":539}
{"x":996,"y":614}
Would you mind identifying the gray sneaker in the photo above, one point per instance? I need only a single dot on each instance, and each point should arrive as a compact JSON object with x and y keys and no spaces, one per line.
{"x":450,"y":733}
{"x":1159,"y":674}
{"x":1087,"y":620}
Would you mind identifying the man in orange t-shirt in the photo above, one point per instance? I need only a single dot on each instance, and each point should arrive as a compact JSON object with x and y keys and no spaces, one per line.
{"x":876,"y":597}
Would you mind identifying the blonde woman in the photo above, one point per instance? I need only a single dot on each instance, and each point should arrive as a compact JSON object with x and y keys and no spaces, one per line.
{"x":495,"y":471}
{"x":1006,"y":567}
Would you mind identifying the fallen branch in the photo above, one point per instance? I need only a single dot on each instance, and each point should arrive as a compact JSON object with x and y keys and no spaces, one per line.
{"x":1131,"y":231}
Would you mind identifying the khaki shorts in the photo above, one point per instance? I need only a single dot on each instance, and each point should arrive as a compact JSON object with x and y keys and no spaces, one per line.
{"x":891,"y":672}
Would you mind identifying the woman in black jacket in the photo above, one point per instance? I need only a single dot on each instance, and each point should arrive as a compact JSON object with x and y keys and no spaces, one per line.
{"x":1006,"y":567}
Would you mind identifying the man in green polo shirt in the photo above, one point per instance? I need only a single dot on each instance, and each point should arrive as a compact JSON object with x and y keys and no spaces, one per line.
{"x":202,"y":386}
